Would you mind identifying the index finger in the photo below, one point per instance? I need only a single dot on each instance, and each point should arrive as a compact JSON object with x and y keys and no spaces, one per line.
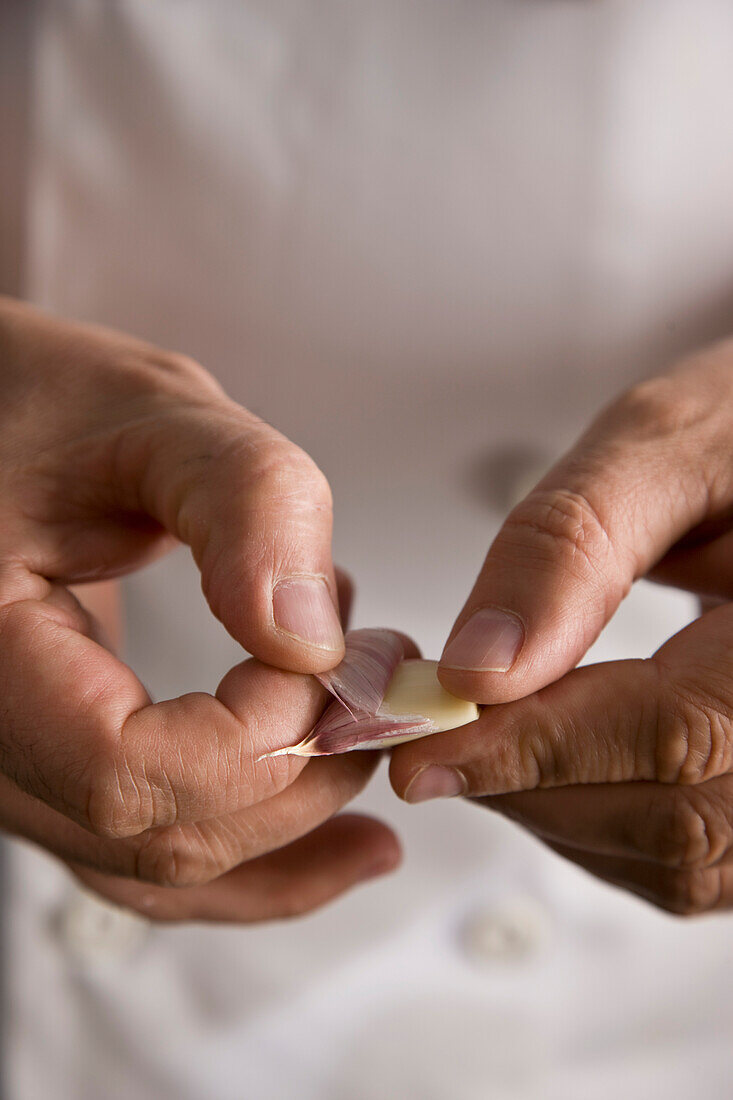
{"x":668,"y":718}
{"x":78,"y":729}
{"x":653,"y":466}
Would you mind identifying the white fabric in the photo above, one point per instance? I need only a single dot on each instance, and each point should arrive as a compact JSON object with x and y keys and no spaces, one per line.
{"x":426,"y":241}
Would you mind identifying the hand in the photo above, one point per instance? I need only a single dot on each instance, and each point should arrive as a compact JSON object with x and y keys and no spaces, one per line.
{"x":258,"y":861}
{"x":625,"y":767}
{"x":110,"y":450}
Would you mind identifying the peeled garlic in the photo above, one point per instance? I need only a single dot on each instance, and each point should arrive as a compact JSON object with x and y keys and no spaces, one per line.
{"x":416,"y":690}
{"x":380,"y":700}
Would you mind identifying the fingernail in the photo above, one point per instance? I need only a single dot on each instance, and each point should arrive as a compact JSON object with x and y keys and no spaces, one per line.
{"x":303,"y":608}
{"x":489,"y":642}
{"x":435,"y":781}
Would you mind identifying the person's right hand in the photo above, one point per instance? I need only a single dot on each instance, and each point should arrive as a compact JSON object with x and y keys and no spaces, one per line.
{"x":110,"y":450}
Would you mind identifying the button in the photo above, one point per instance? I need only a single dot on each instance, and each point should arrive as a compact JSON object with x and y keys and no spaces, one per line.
{"x":509,"y":931}
{"x":93,"y":930}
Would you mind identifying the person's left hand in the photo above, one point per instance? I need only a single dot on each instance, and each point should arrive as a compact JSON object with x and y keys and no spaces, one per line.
{"x":258,"y":864}
{"x":639,"y":752}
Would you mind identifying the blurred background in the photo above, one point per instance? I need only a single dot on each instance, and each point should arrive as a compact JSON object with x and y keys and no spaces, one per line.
{"x":427,"y":241}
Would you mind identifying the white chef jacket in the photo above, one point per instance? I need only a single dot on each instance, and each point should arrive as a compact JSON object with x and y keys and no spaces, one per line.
{"x":426,"y":240}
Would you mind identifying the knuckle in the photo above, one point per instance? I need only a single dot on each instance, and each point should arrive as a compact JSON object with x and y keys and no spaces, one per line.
{"x":293,"y":903}
{"x":107,"y":818}
{"x":535,"y":764}
{"x":694,"y":738}
{"x":690,"y":835}
{"x":175,"y":370}
{"x":153,"y":910}
{"x":690,"y":893}
{"x":117,"y":806}
{"x":660,"y":407}
{"x":553,"y":523}
{"x":537,"y":756}
{"x":280,"y":473}
{"x":177,"y":857}
{"x":154,"y":906}
{"x":178,"y":365}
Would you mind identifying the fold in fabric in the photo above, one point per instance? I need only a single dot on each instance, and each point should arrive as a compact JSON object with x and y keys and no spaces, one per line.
{"x":355,"y":719}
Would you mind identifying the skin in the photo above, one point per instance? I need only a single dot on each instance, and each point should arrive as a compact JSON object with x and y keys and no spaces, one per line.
{"x":111,"y":450}
{"x":625,"y":767}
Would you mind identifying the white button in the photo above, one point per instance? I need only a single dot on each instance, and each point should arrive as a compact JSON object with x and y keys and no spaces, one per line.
{"x":93,"y":930}
{"x":510,"y":930}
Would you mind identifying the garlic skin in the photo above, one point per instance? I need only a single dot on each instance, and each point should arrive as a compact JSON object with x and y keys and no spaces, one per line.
{"x":360,"y":681}
{"x":416,"y":690}
{"x":380,"y":700}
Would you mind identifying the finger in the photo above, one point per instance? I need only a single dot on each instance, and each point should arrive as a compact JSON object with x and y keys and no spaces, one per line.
{"x":189,"y":855}
{"x":196,"y":853}
{"x":668,"y":719}
{"x":160,"y":448}
{"x":684,"y":893}
{"x":678,"y":827}
{"x":343,"y":852}
{"x":78,"y":730}
{"x":257,"y":514}
{"x":652,"y":467}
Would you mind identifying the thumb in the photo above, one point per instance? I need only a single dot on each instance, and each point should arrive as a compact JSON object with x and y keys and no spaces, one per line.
{"x":257,"y":514}
{"x":569,"y":552}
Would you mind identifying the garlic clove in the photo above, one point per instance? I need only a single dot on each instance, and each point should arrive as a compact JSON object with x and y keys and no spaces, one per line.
{"x":415,"y":690}
{"x":414,"y":704}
